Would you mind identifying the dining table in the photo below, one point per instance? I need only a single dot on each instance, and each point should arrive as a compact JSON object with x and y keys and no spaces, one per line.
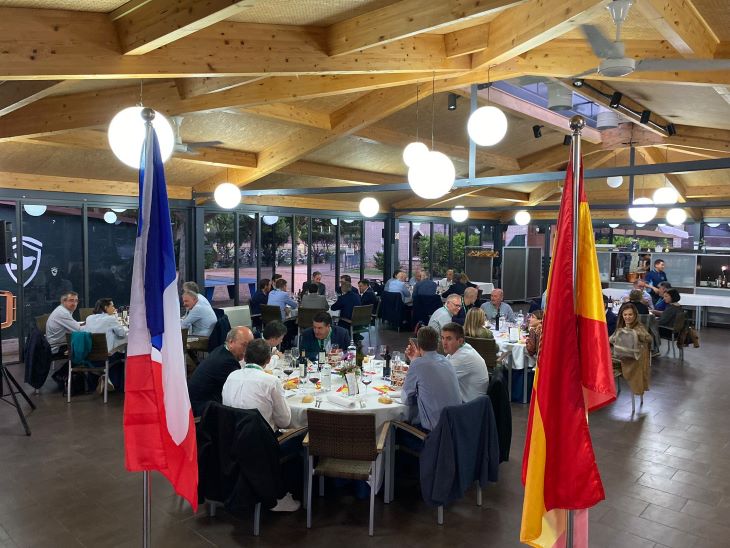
{"x":518,"y":358}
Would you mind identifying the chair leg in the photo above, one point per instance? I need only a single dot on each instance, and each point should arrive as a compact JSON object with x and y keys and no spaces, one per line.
{"x":305,"y":461}
{"x":321,"y":486}
{"x":440,"y":515}
{"x":310,"y":465}
{"x":674,"y":347}
{"x":106,"y":380}
{"x":373,"y":481}
{"x":256,"y":519}
{"x":389,"y":454}
{"x":633,"y":404}
{"x":68,"y":383}
{"x":211,"y":509}
{"x":479,"y":493}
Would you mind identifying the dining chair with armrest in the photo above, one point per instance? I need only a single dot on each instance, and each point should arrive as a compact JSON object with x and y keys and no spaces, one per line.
{"x":360,"y":322}
{"x":345,"y":446}
{"x":97,"y":353}
{"x":270,"y":313}
{"x":486,"y":348}
{"x":305,"y":317}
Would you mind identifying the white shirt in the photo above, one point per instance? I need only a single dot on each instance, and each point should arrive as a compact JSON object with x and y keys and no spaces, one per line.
{"x":116,"y":333}
{"x":471,"y":370}
{"x":440,"y":318}
{"x":444,"y":284}
{"x":252,"y":388}
{"x":59,"y":323}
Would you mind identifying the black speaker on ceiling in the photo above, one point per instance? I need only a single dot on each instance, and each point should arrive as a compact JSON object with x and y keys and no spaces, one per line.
{"x":6,"y":238}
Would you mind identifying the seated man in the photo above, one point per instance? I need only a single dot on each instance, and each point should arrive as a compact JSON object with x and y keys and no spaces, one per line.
{"x":444,"y":283}
{"x":424,"y":285}
{"x":260,"y":297}
{"x":639,"y":285}
{"x":367,"y":295}
{"x":470,"y":367}
{"x":192,"y":286}
{"x":206,"y":382}
{"x":322,"y":335}
{"x":393,"y":279}
{"x":458,"y":286}
{"x":200,"y":318}
{"x":635,"y":298}
{"x":660,"y":305}
{"x":313,"y":299}
{"x":431,"y":382}
{"x":345,"y":303}
{"x":496,"y":304}
{"x":398,"y":285}
{"x":61,"y":322}
{"x":443,"y":315}
{"x":346,"y":278}
{"x":274,"y":334}
{"x":316,"y":280}
{"x":252,"y":388}
{"x":281,"y":298}
{"x":468,"y":301}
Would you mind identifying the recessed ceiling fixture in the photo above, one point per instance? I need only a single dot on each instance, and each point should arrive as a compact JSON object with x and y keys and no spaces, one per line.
{"x":333,"y":221}
{"x":119,"y":209}
{"x":369,"y":207}
{"x":459,"y":214}
{"x":127,"y":132}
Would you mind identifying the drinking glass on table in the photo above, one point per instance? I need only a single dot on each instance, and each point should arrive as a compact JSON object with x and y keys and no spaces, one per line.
{"x":314,"y":379}
{"x":383,"y":351}
{"x":367,"y":375}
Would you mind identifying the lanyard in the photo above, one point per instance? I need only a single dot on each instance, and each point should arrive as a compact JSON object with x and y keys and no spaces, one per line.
{"x":253,"y":366}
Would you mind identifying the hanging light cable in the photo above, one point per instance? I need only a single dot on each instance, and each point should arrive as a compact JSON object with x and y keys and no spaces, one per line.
{"x":487,"y":126}
{"x":415,"y":150}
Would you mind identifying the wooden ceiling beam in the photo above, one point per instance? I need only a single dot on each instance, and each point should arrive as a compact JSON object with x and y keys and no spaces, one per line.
{"x":532,"y":24}
{"x":466,"y":41}
{"x":292,"y":113}
{"x":627,"y":133}
{"x":16,"y":95}
{"x":679,"y":22}
{"x":301,"y":202}
{"x":701,"y":138}
{"x":56,"y":45}
{"x":403,"y":19}
{"x":158,"y":23}
{"x":81,"y":185}
{"x":347,"y":174}
{"x":193,"y":87}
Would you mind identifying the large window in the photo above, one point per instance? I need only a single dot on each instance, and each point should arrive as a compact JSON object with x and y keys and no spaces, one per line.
{"x":219,"y":246}
{"x":436,"y":253}
{"x":420,"y":231}
{"x":350,"y":232}
{"x":404,"y":236}
{"x":276,"y":247}
{"x":374,"y":255}
{"x":246,"y":257}
{"x":302,"y":252}
{"x":323,"y":251}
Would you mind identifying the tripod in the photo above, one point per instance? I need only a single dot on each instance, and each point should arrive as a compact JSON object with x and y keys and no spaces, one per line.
{"x":5,"y":375}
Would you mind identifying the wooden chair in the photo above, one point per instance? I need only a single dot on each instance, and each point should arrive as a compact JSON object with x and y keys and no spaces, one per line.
{"x":269,"y":313}
{"x":98,"y":353}
{"x":85,"y":313}
{"x":360,"y":322}
{"x":305,"y":317}
{"x":345,"y":445}
{"x":487,"y":349}
{"x":41,"y":322}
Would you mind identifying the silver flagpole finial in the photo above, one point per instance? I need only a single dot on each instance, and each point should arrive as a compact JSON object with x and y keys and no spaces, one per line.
{"x":147,"y":114}
{"x":577,"y":123}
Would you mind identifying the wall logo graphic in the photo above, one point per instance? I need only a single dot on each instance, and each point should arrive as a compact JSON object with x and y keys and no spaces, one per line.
{"x":32,"y":251}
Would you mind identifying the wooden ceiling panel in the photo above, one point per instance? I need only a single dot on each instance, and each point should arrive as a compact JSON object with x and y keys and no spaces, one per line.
{"x":636,"y":27}
{"x":100,"y":6}
{"x":717,"y":16}
{"x":237,"y":130}
{"x":320,"y":13}
{"x":353,"y":152}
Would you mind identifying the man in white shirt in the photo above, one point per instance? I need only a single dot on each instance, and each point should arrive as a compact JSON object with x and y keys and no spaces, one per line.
{"x":252,"y":388}
{"x":443,"y":315}
{"x":61,"y":321}
{"x":192,"y":286}
{"x":470,"y":367}
{"x":444,"y":283}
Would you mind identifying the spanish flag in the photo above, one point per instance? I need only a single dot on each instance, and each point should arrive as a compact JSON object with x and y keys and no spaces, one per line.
{"x":573,"y":376}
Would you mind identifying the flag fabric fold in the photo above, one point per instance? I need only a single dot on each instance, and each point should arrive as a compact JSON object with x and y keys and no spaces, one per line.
{"x":159,"y":431}
{"x":573,"y":376}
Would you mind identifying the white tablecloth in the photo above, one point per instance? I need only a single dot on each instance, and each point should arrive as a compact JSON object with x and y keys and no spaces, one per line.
{"x":687,"y":299}
{"x":486,"y":287}
{"x":518,"y":350}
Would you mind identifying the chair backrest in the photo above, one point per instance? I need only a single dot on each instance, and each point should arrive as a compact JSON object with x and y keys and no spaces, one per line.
{"x":184,"y":334}
{"x":376,"y":312}
{"x":361,"y":315}
{"x":99,"y":350}
{"x":487,"y":349}
{"x":270,"y":313}
{"x":239,"y":315}
{"x":424,"y":306}
{"x":221,"y":328}
{"x":680,"y":320}
{"x":342,"y":435}
{"x":391,"y":309}
{"x":305,"y":316}
{"x":41,"y":322}
{"x":85,"y":313}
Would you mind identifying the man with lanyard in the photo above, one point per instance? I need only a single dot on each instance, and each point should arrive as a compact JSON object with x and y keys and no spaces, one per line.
{"x":443,"y":315}
{"x":468,"y":301}
{"x":322,"y":335}
{"x":655,"y":277}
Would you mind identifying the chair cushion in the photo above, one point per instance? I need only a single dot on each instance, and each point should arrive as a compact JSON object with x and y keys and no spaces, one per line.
{"x":343,"y":468}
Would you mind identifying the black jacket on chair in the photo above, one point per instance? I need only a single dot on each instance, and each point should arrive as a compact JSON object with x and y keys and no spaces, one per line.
{"x":462,"y":449}
{"x":238,"y":459}
{"x":499,"y":397}
{"x":220,"y":330}
{"x":37,"y":358}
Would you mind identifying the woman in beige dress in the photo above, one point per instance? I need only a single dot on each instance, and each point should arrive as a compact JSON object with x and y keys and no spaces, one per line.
{"x":635,"y":371}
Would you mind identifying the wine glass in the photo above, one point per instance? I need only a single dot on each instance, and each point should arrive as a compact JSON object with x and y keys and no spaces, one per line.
{"x":383,"y":350}
{"x":366,"y":380}
{"x":314,"y":379}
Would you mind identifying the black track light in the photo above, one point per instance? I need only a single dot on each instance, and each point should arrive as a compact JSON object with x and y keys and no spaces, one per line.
{"x":616,"y":99}
{"x":484,"y":86}
{"x":452,"y":101}
{"x":567,"y":140}
{"x":671,"y":129}
{"x":577,"y":83}
{"x":537,"y":131}
{"x":645,"y":116}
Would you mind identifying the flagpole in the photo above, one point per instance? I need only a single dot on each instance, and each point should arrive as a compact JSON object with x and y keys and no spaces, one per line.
{"x":577,"y":123}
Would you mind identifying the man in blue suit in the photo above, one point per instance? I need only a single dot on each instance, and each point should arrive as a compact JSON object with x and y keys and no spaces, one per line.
{"x":367,"y":295}
{"x":322,"y":335}
{"x":346,"y":302}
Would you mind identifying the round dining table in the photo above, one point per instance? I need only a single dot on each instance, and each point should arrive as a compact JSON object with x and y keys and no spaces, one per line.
{"x":518,"y":359}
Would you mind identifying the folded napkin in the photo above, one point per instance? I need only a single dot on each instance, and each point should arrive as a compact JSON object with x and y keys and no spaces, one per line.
{"x":394,"y":394}
{"x":340,"y":400}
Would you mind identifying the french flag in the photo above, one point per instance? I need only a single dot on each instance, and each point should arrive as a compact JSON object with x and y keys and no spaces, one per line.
{"x":159,"y":432}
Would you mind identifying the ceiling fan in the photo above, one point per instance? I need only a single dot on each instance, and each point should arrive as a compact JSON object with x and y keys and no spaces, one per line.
{"x":614,"y":62}
{"x":189,"y":148}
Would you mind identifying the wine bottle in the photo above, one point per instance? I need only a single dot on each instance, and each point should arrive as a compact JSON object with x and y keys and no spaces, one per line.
{"x":303,"y":366}
{"x":496,"y":321}
{"x":386,"y":367}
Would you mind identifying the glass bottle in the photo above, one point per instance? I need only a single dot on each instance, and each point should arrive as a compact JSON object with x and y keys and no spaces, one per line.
{"x":386,"y":367}
{"x":303,"y":366}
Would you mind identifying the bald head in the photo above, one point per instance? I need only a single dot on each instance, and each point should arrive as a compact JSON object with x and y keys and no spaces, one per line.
{"x":497,"y":297}
{"x":237,"y":341}
{"x":470,"y":295}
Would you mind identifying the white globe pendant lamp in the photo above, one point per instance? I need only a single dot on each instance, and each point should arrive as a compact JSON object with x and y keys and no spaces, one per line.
{"x":35,"y":210}
{"x":414,"y":152}
{"x":270,"y":219}
{"x":227,"y":195}
{"x":522,"y":218}
{"x":487,"y":126}
{"x":641,"y":225}
{"x":642,"y":214}
{"x":459,"y":214}
{"x":333,"y":221}
{"x":110,"y":217}
{"x":348,"y":221}
{"x":369,"y":207}
{"x":433,"y":176}
{"x":126,"y":135}
{"x":615,"y":181}
{"x":676,"y":216}
{"x":119,"y":209}
{"x":713,"y":225}
{"x":665,"y":195}
{"x":613,"y":225}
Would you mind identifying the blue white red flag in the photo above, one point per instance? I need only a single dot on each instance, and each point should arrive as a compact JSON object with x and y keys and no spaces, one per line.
{"x":159,"y":432}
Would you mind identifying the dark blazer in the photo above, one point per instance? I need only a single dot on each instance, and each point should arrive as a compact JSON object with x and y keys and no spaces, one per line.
{"x":37,"y":358}
{"x":257,"y":300}
{"x":457,"y":288}
{"x":206,"y":382}
{"x":345,"y":303}
{"x":462,"y":449}
{"x":308,"y":342}
{"x":238,"y":459}
{"x":322,"y":288}
{"x":425,"y":287}
{"x":461,"y":316}
{"x":641,"y":308}
{"x":500,"y":398}
{"x":369,"y":298}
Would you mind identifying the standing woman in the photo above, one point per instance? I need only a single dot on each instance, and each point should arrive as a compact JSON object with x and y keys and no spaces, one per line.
{"x":104,"y":320}
{"x":634,"y":358}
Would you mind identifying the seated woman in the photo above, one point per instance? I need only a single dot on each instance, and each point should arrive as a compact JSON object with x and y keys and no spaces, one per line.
{"x":534,"y":331}
{"x":636,"y":298}
{"x":634,"y":366}
{"x":474,"y":325}
{"x":672,"y":319}
{"x":104,"y":320}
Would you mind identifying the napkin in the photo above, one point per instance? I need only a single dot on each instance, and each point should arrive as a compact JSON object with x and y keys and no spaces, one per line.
{"x":394,"y":394}
{"x":340,"y":400}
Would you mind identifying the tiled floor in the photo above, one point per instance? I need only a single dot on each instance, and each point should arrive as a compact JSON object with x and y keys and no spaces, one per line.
{"x":666,"y":472}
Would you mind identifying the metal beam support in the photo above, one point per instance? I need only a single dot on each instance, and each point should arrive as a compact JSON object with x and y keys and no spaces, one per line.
{"x":236,"y":257}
